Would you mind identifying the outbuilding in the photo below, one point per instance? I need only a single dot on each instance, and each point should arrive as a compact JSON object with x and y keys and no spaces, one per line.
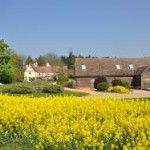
{"x":134,"y":70}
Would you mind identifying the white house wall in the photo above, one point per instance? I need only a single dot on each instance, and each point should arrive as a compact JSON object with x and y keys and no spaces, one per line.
{"x":30,"y":73}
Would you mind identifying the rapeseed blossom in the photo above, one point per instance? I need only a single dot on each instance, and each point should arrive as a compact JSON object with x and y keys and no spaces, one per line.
{"x":75,"y":123}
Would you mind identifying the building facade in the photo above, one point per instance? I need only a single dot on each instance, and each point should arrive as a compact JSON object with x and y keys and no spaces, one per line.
{"x":134,"y":70}
{"x":34,"y":72}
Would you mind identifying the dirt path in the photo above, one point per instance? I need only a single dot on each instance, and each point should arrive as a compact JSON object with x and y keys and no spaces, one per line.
{"x":133,"y":94}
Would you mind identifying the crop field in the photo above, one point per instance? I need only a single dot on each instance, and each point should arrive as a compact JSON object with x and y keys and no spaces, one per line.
{"x":74,"y":123}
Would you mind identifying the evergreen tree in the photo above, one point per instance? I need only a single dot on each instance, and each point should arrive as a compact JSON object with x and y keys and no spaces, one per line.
{"x":29,"y":61}
{"x":41,"y":61}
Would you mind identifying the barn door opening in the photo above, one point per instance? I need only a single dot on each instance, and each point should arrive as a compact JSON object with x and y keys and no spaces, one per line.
{"x":136,"y":82}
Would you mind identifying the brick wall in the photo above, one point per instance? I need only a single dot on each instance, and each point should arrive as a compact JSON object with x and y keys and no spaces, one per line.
{"x":86,"y":81}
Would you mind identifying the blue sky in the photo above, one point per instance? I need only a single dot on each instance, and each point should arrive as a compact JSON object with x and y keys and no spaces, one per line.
{"x":97,"y":27}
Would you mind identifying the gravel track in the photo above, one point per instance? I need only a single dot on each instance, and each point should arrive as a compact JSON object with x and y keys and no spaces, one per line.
{"x":133,"y":94}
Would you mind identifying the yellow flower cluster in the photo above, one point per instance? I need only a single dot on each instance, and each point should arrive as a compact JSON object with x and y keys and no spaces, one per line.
{"x":120,"y":89}
{"x":75,"y":123}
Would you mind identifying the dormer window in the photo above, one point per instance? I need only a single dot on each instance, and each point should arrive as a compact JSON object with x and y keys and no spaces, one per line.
{"x":131,"y":66}
{"x":83,"y":67}
{"x":118,"y":67}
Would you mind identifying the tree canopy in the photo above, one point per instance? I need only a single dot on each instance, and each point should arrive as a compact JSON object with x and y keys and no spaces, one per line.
{"x":6,"y":72}
{"x":18,"y":67}
{"x":29,"y":60}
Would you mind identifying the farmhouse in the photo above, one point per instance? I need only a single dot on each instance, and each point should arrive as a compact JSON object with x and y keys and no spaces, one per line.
{"x":33,"y":72}
{"x":134,"y":70}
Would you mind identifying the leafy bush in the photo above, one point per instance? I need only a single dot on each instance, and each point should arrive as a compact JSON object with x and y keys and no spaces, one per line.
{"x":54,"y":89}
{"x":116,"y":82}
{"x":18,"y":89}
{"x":62,"y":80}
{"x":125,"y":84}
{"x":102,"y":86}
{"x":119,"y":82}
{"x":99,"y":80}
{"x":120,"y":89}
{"x":32,"y":87}
{"x":71,"y":84}
{"x":38,"y":85}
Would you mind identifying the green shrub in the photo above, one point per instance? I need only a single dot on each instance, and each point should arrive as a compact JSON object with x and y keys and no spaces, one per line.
{"x":99,"y":80}
{"x":71,"y":84}
{"x":116,"y":82}
{"x":18,"y":89}
{"x":125,"y":84}
{"x":102,"y":86}
{"x":54,"y":89}
{"x":62,"y":80}
{"x":38,"y":85}
{"x":120,"y":89}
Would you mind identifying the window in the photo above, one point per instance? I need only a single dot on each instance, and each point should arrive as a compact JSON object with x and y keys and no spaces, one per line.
{"x":130,"y":66}
{"x":83,"y":67}
{"x":29,"y":72}
{"x":118,"y":66}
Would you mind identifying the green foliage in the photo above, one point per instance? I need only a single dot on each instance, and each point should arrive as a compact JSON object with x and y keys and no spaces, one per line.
{"x":18,"y":89}
{"x":99,"y":80}
{"x":18,"y":68}
{"x":41,"y":61}
{"x":29,"y":61}
{"x":70,"y":60}
{"x":66,"y":82}
{"x":119,"y":82}
{"x":6,"y":72}
{"x":116,"y":82}
{"x":102,"y":86}
{"x":52,"y":89}
{"x":35,"y":87}
{"x":71,"y":73}
{"x":62,"y":80}
{"x":71,"y":84}
{"x":125,"y":84}
{"x":120,"y":89}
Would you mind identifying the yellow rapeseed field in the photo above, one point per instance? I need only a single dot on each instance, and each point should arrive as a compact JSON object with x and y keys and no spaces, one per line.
{"x":75,"y":123}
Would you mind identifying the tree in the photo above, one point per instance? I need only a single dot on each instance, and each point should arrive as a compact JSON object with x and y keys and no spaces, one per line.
{"x":18,"y":67}
{"x":53,"y":59}
{"x":29,"y":60}
{"x":70,"y":60}
{"x":41,"y":61}
{"x":6,"y":72}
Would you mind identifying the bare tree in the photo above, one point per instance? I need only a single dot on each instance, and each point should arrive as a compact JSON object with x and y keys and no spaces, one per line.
{"x":53,"y":59}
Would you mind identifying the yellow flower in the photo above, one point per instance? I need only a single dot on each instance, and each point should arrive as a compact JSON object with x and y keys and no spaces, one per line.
{"x":79,"y":122}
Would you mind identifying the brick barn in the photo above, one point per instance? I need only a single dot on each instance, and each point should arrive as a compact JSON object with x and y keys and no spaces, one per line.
{"x":135,"y":70}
